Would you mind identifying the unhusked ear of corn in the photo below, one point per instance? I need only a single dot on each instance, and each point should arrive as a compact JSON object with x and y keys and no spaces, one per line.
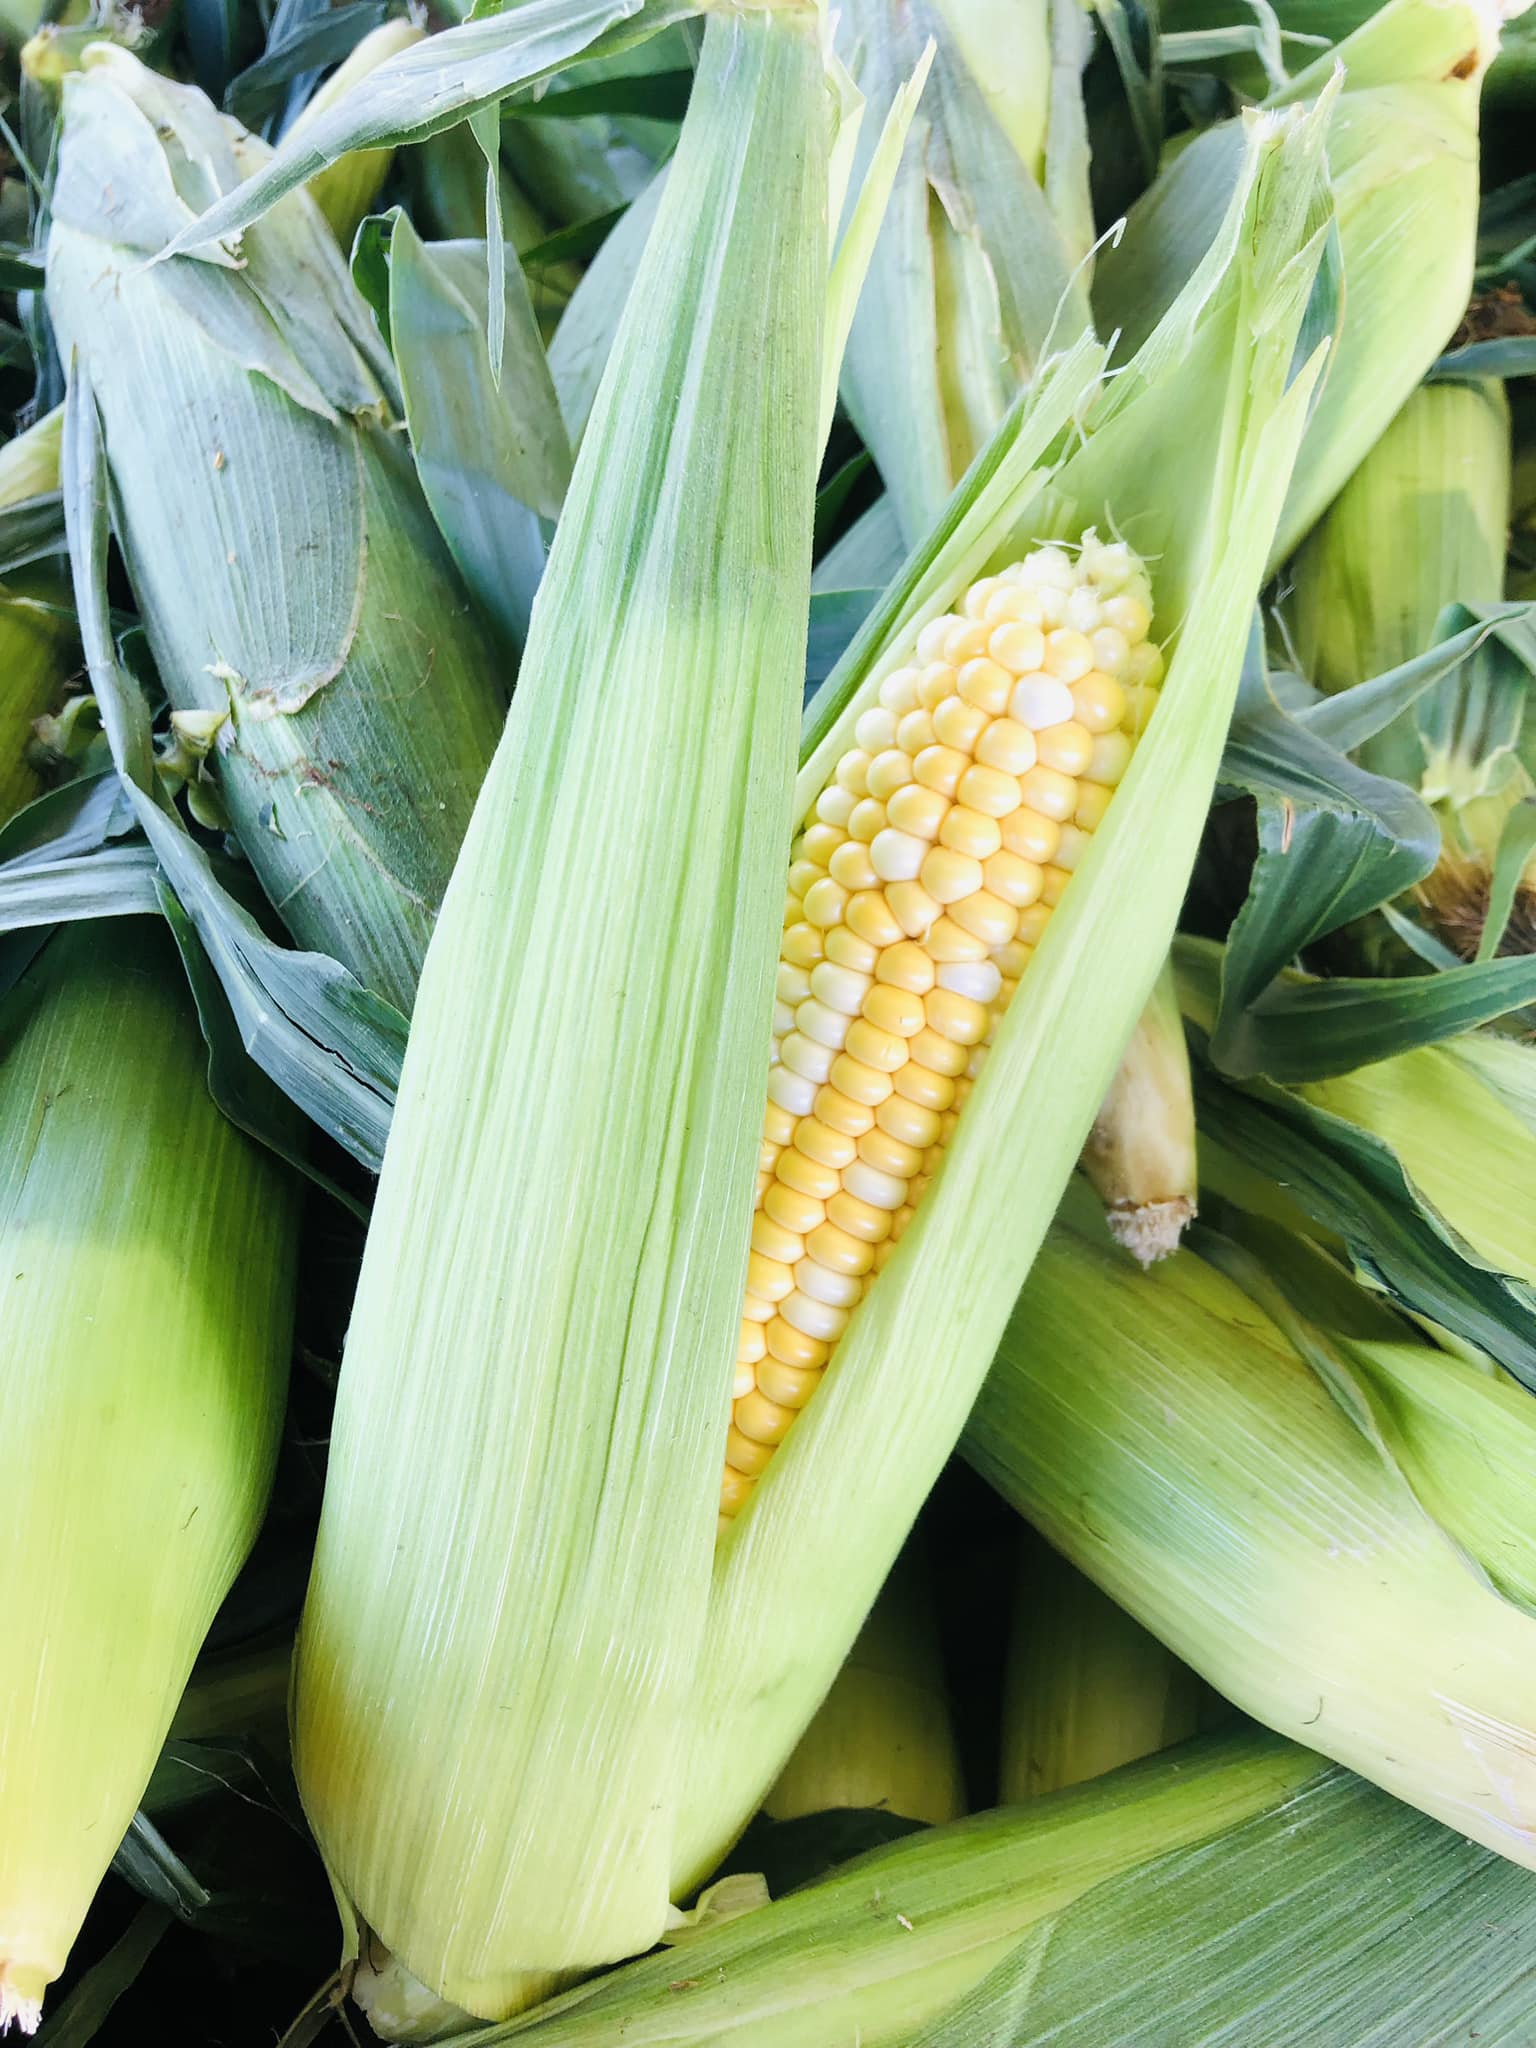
{"x":283,"y":558}
{"x":149,"y":1251}
{"x":883,"y":1737}
{"x":1421,"y":524}
{"x":1078,"y":914}
{"x":493,"y":1672}
{"x":976,"y":276}
{"x":1087,"y":1688}
{"x":1162,"y":1432}
{"x":1403,"y":158}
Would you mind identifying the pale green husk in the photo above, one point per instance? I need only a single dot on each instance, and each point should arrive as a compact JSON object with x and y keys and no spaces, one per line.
{"x":883,"y":1738}
{"x":494,"y":1669}
{"x":891,"y":1941}
{"x":976,"y":275}
{"x":149,"y":1252}
{"x":1402,"y":155}
{"x":285,"y":564}
{"x":1087,"y":1689}
{"x":1162,"y":1432}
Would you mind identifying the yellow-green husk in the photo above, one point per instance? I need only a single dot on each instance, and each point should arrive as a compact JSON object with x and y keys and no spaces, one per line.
{"x":149,"y":1251}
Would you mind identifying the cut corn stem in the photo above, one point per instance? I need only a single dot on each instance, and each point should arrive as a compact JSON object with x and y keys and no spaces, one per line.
{"x":1141,"y":1154}
{"x":923,"y":879}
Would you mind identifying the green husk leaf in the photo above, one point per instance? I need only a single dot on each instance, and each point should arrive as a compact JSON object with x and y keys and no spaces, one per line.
{"x":891,"y":1940}
{"x":1161,"y":1431}
{"x":565,"y":1595}
{"x":1339,"y":1915}
{"x":491,"y":452}
{"x":329,"y":1044}
{"x":432,"y":86}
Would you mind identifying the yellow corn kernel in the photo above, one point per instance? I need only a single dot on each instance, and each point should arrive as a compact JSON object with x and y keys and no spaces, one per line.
{"x":906,"y":965}
{"x":894,"y":1010}
{"x":948,"y":876}
{"x":972,"y":832}
{"x":922,"y":882}
{"x":918,"y":811}
{"x":1068,"y":747}
{"x":1098,"y":702}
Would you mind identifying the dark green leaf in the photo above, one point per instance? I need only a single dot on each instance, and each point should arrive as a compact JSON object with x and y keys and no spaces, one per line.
{"x":1334,"y":841}
{"x":1353,"y":1185}
{"x":575,"y":244}
{"x":209,"y":27}
{"x":21,"y":269}
{"x":836,"y":615}
{"x":80,"y":2016}
{"x":653,"y":95}
{"x":1309,"y":1030}
{"x":1512,"y":355}
{"x":31,"y":530}
{"x":315,"y":44}
{"x":148,"y":1862}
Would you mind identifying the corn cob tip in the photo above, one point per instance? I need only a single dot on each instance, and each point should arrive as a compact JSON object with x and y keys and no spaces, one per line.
{"x":920,"y":884}
{"x":1149,"y":1231}
{"x":21,"y":1997}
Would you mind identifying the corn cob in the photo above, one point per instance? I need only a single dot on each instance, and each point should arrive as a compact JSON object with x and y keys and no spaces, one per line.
{"x":917,"y":896}
{"x":285,"y":564}
{"x":1289,"y":1561}
{"x":149,"y":1251}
